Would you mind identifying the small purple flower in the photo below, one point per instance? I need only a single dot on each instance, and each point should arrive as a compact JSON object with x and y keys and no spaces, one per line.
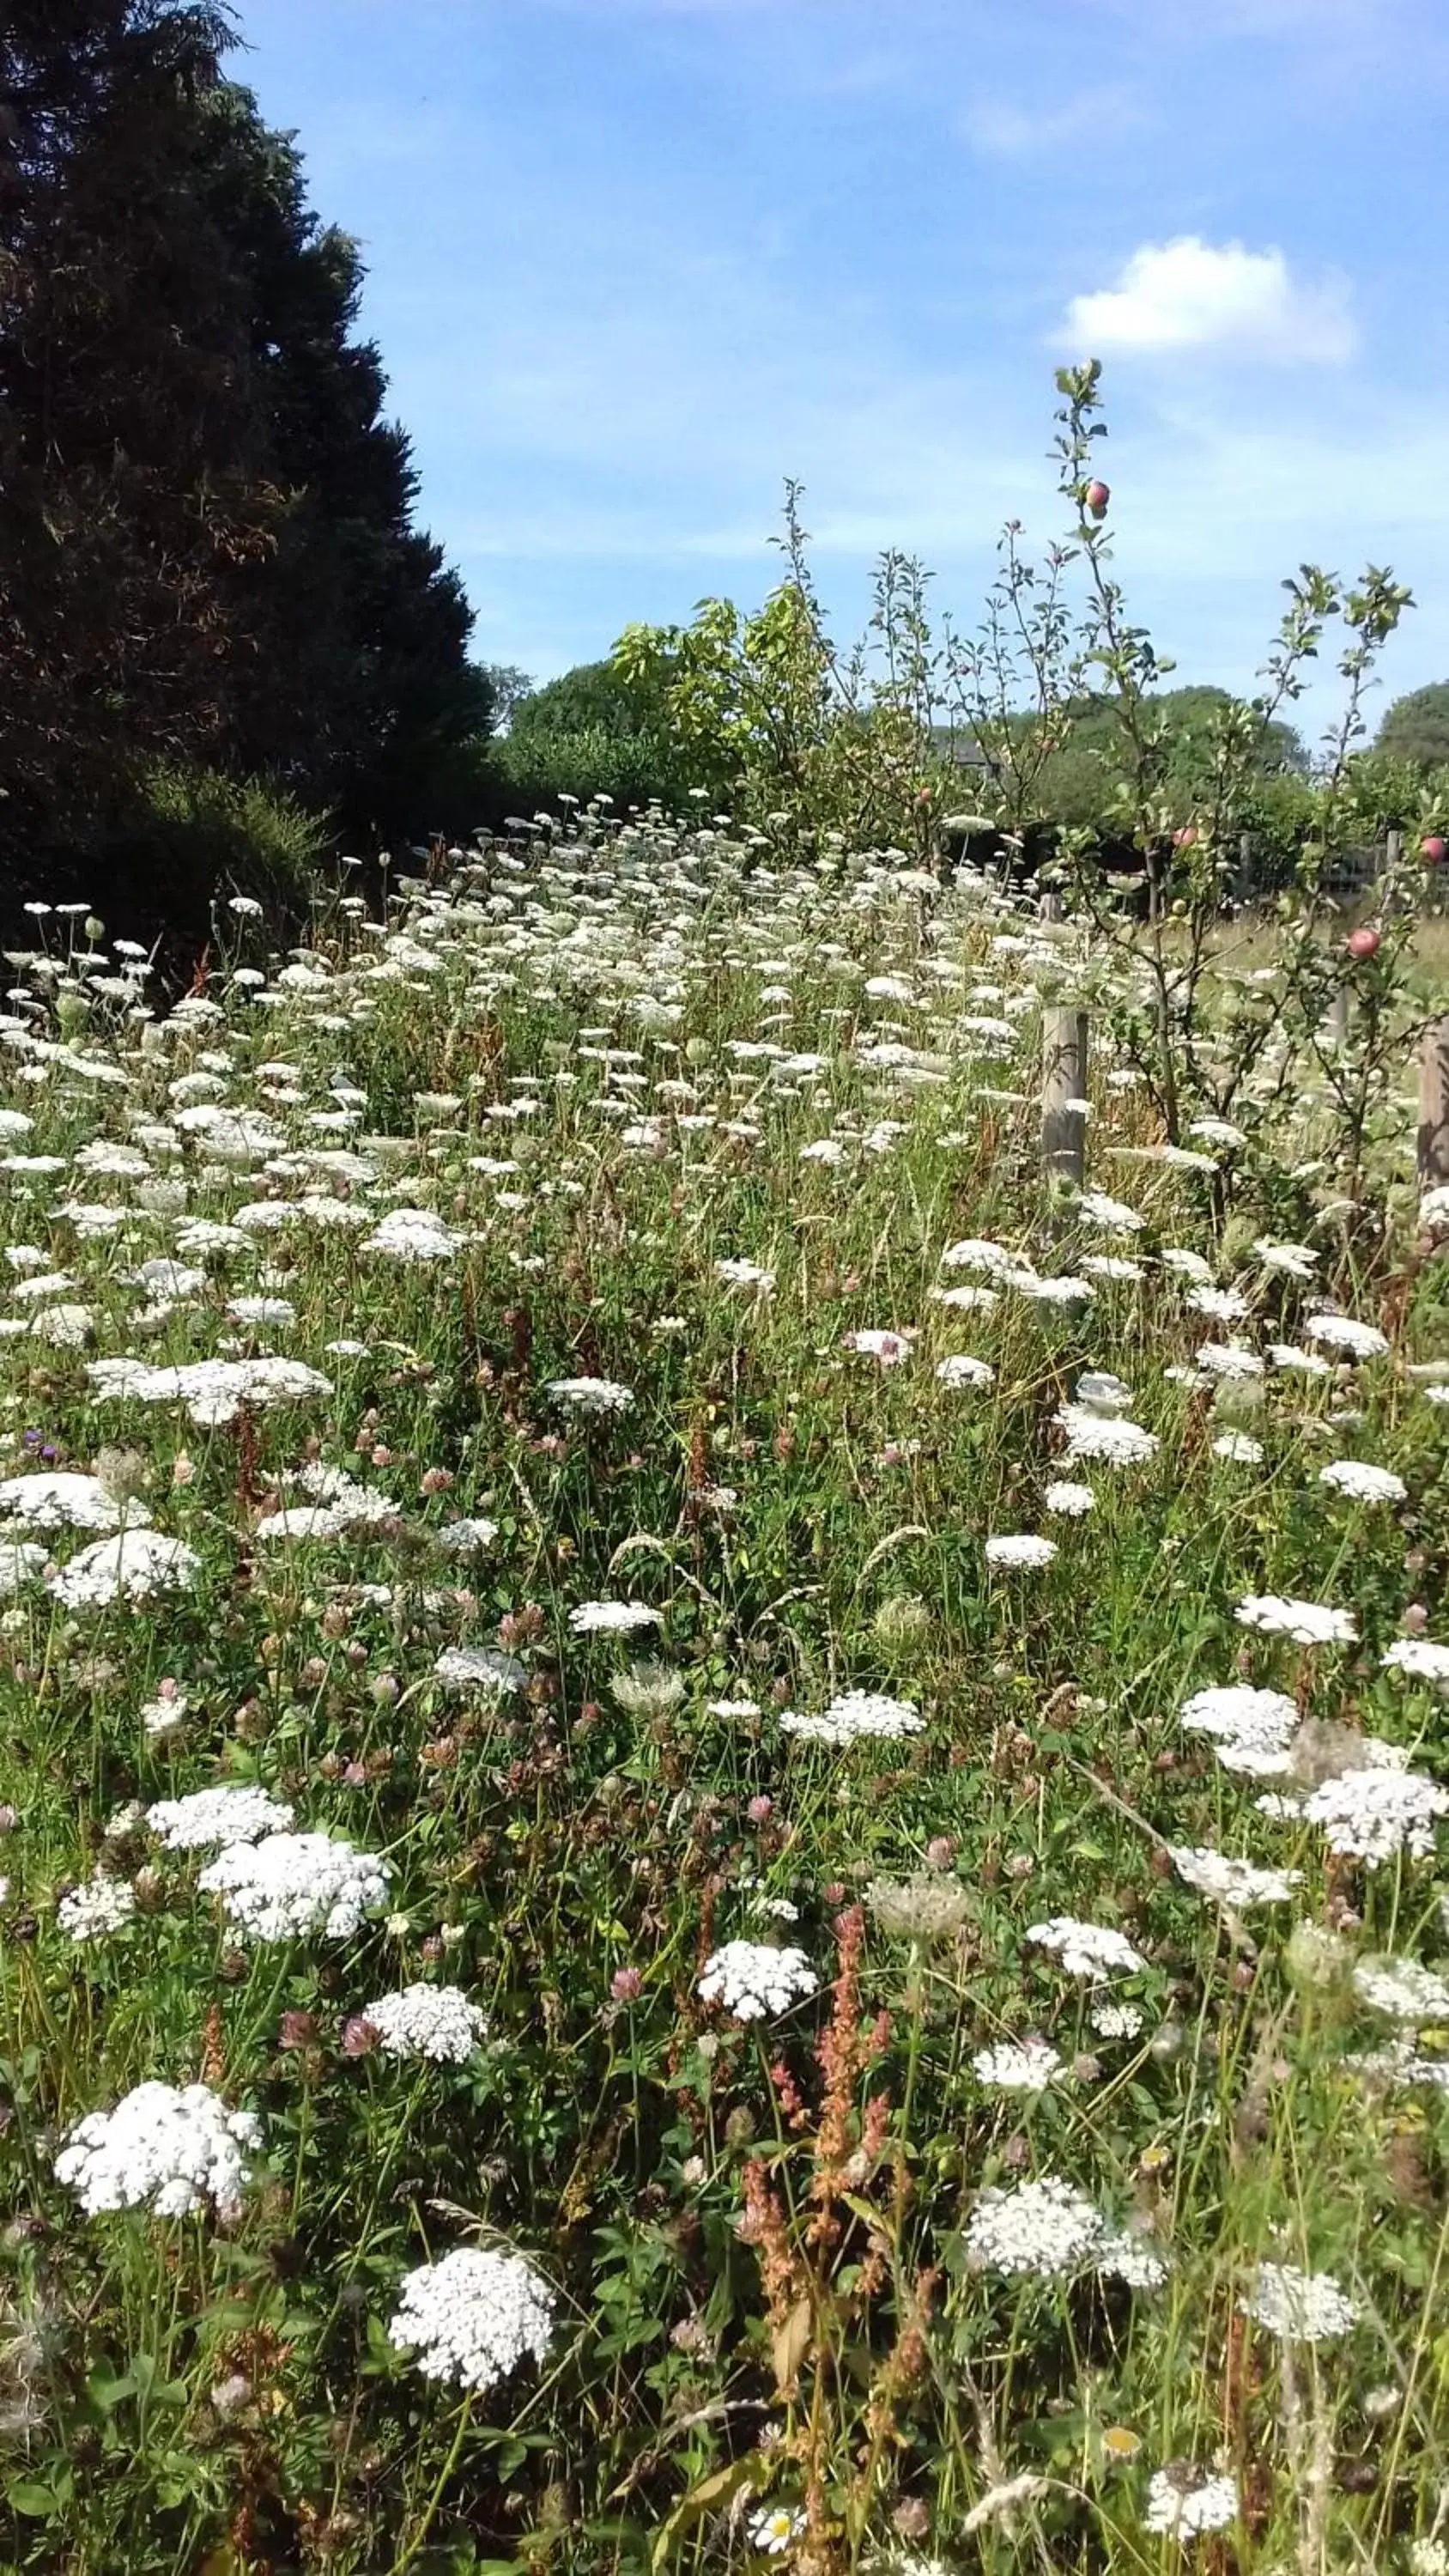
{"x":626,"y":1986}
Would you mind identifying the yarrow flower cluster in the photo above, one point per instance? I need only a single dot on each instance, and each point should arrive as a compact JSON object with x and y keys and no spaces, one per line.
{"x":436,"y":2022}
{"x":752,"y":1979}
{"x":291,"y":1884}
{"x":852,"y":1716}
{"x":473,"y":2316}
{"x":165,"y":2148}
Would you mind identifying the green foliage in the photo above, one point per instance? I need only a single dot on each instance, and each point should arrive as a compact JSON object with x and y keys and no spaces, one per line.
{"x":188,"y":831}
{"x":1415,"y":729}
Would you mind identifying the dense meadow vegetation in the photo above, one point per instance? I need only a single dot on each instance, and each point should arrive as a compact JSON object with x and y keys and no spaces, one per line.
{"x":723,"y":1821}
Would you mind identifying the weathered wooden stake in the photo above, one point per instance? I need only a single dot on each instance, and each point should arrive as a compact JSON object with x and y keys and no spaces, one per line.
{"x":1050,"y":906}
{"x":1335,"y":1027}
{"x":1064,"y":1080}
{"x":1434,"y":1105}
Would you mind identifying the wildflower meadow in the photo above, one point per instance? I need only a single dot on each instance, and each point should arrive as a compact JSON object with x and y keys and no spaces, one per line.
{"x":725,"y":1817}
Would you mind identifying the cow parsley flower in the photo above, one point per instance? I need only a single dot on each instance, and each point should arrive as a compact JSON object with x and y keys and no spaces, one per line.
{"x":1021,"y":1549}
{"x":1302,"y":2307}
{"x":1232,"y":1882}
{"x":230,"y":1813}
{"x":1363,"y":1483}
{"x":1090,"y":1950}
{"x":853,"y":1715}
{"x":93,"y":1912}
{"x":1045,"y":2230}
{"x":165,"y":2148}
{"x":1308,"y":1623}
{"x":473,"y":2316}
{"x":1373,"y":1814}
{"x":752,"y":1979}
{"x":436,"y":2022}
{"x":1182,"y":2504}
{"x":1017,"y":2066}
{"x":290,"y":1884}
{"x":591,"y":1394}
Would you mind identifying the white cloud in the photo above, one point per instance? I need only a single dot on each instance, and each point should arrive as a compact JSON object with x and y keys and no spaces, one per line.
{"x":1009,"y":132}
{"x":1191,"y":294}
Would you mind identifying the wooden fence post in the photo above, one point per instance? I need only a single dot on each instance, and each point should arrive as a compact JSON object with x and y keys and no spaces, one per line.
{"x":1433,"y":1155}
{"x":1050,"y":905}
{"x":1064,"y":1081}
{"x":1243,"y":888}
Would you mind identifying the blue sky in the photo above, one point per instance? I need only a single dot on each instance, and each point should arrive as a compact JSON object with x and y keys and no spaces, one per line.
{"x":632,"y":262}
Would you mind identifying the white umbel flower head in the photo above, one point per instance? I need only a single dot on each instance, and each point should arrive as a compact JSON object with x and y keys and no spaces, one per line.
{"x":1371,"y":1815}
{"x":290,"y":1884}
{"x":1017,"y":2066}
{"x":473,"y":2316}
{"x":413,"y":1234}
{"x":1045,"y":2229}
{"x":1230,"y":1882}
{"x":130,"y":1567}
{"x":611,"y":1618}
{"x":1090,"y":1950}
{"x":751,"y":1980}
{"x":962,"y":1370}
{"x":1302,"y":2307}
{"x":1402,"y":1988}
{"x":1106,"y":1436}
{"x":165,"y":2148}
{"x":1345,"y":1333}
{"x":1022,"y":1549}
{"x":436,"y":2022}
{"x":1070,"y":1502}
{"x":230,"y":1813}
{"x":1363,"y":1483}
{"x":1243,"y":1721}
{"x":66,"y":1500}
{"x":1308,"y":1623}
{"x":591,"y":1394}
{"x":93,"y":1912}
{"x":853,"y":1716}
{"x":1419,"y":1657}
{"x":1182,"y":2504}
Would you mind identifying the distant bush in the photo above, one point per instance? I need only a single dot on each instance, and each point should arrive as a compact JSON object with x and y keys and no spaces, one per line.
{"x":190,"y":835}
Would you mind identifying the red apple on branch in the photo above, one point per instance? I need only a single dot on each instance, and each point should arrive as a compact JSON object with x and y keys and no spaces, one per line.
{"x":1098,"y":496}
{"x":1184,"y":837}
{"x":1362,"y":944}
{"x":1432,"y":847}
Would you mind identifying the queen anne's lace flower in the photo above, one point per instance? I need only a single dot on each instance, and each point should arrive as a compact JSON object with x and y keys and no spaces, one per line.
{"x":962,"y":1370}
{"x":591,"y":1394}
{"x":1017,"y":2066}
{"x":1110,"y":1437}
{"x":437,"y":2022}
{"x":1233,"y":1882}
{"x":473,"y":2316}
{"x":611,"y":1618}
{"x":1345,"y":1333}
{"x":1402,"y":1988}
{"x":1308,"y":1623}
{"x":751,"y":1979}
{"x":485,"y":1669}
{"x":289,"y":1884}
{"x":1363,"y":1483}
{"x":1070,"y":1502}
{"x":1420,"y":1657}
{"x":130,"y":1567}
{"x":1372,"y":1814}
{"x":853,"y":1715}
{"x":230,"y":1813}
{"x":1302,"y":2307}
{"x":92,"y":1912}
{"x":1022,"y":1549}
{"x":1086,"y":1949}
{"x":1046,"y":2229}
{"x":1182,"y":2504}
{"x":413,"y":1234}
{"x":65,"y":1500}
{"x":162,"y":2148}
